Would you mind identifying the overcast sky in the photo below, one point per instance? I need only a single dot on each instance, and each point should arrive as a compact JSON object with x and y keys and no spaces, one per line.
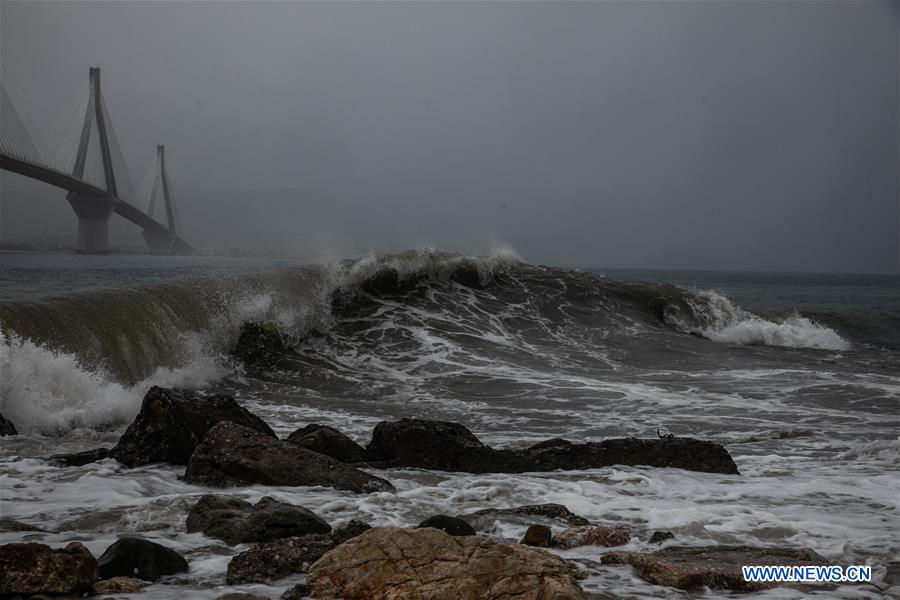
{"x":702,"y":135}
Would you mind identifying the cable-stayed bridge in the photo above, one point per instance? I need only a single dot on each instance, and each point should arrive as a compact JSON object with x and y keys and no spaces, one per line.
{"x":94,"y":193}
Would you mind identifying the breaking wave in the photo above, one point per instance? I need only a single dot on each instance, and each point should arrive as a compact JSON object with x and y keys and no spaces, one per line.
{"x":85,"y":359}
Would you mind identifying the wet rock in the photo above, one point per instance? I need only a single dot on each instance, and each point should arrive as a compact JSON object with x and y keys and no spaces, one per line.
{"x":78,"y":459}
{"x":7,"y":427}
{"x":119,"y":585}
{"x":680,"y":453}
{"x":551,"y":511}
{"x":235,"y":521}
{"x":137,"y":557}
{"x":297,"y":592}
{"x":231,"y":454}
{"x":171,"y":424}
{"x":439,"y":445}
{"x":260,"y":346}
{"x":31,"y":568}
{"x":537,"y":535}
{"x":274,"y":560}
{"x":592,"y":535}
{"x":717,"y":567}
{"x":398,"y":563}
{"x":659,"y":537}
{"x":451,"y":525}
{"x":550,"y":515}
{"x":9,"y":525}
{"x":241,"y":596}
{"x":328,"y":441}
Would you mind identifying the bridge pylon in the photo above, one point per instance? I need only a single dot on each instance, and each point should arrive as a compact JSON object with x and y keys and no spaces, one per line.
{"x":94,"y":211}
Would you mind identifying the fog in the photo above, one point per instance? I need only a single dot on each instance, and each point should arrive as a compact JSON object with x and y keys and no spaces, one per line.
{"x":694,"y":135}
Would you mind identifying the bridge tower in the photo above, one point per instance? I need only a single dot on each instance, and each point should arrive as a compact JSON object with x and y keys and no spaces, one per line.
{"x":161,"y":242}
{"x":94,"y":211}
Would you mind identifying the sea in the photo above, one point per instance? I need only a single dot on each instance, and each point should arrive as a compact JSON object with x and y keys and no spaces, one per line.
{"x":796,"y":374}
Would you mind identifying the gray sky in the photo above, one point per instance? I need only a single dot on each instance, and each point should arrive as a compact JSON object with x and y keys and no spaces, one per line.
{"x":705,"y":135}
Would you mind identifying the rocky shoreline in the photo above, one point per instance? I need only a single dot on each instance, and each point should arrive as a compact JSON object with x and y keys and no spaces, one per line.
{"x":222,"y":445}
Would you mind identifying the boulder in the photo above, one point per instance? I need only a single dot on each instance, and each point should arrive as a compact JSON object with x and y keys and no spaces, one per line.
{"x":119,"y":585}
{"x":7,"y":427}
{"x":659,"y":537}
{"x":235,"y":521}
{"x":269,"y":561}
{"x":297,"y":592}
{"x":393,"y":563}
{"x":260,"y":346}
{"x":328,"y":441}
{"x":32,"y":568}
{"x":538,"y":536}
{"x":592,"y":535}
{"x":9,"y":525}
{"x":531,"y":514}
{"x":78,"y":459}
{"x":451,"y":525}
{"x":680,"y":453}
{"x":439,"y":445}
{"x":717,"y":567}
{"x":171,"y":424}
{"x":232,"y":454}
{"x":137,"y":557}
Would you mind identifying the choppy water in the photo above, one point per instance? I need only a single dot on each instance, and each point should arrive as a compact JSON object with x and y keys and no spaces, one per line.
{"x":797,"y":375}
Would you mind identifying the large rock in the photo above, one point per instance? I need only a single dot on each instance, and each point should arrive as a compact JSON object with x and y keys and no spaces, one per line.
{"x":548,"y":511}
{"x":392,"y":563}
{"x":447,"y":524}
{"x":7,"y":427}
{"x":137,"y":557}
{"x":269,"y":561}
{"x":171,"y":424}
{"x":231,"y":454}
{"x":328,"y":441}
{"x":39,"y":569}
{"x":439,"y":445}
{"x":7,"y":525}
{"x":78,"y":459}
{"x":717,"y":567}
{"x":260,"y":346}
{"x":537,"y":535}
{"x":235,"y":521}
{"x":592,"y":535}
{"x":119,"y":585}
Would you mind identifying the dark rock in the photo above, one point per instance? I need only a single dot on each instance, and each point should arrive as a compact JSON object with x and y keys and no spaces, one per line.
{"x":119,"y":585}
{"x":298,"y":592}
{"x":328,"y":441}
{"x":717,"y":567}
{"x":78,"y":459}
{"x":260,"y":346}
{"x":439,"y":445}
{"x":537,"y":535}
{"x":31,"y":568}
{"x":137,"y":557}
{"x":659,"y":537}
{"x":390,"y":562}
{"x":10,"y":525}
{"x":551,"y":511}
{"x":241,"y":596}
{"x":269,"y":561}
{"x":550,"y":515}
{"x":592,"y":535}
{"x":235,"y":521}
{"x":231,"y":454}
{"x":451,"y":525}
{"x":7,"y":427}
{"x":172,"y":423}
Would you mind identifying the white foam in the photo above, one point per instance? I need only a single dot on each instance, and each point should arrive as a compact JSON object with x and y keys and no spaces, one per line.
{"x":49,"y":392}
{"x":722,"y":321}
